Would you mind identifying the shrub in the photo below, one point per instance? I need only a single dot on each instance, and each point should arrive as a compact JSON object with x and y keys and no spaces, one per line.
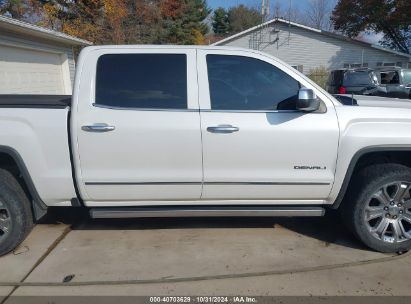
{"x":319,"y":75}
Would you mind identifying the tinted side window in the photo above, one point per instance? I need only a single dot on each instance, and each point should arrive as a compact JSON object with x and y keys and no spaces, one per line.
{"x":390,"y":77}
{"x":242,"y":83}
{"x":335,"y":78}
{"x":330,"y":79}
{"x":357,"y":78}
{"x":157,"y":81}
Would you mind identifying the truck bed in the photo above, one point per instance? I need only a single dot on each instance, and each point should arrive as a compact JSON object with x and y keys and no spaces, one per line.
{"x":35,"y":101}
{"x":34,"y":129}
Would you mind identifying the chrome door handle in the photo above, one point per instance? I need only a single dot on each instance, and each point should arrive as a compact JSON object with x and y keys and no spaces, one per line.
{"x":223,"y":129}
{"x":98,"y":127}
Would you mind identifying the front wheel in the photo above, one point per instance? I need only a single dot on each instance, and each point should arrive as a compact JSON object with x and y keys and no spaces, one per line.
{"x":378,"y":207}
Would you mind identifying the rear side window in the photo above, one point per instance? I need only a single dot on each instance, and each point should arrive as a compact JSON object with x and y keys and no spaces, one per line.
{"x":151,"y":81}
{"x":335,"y":78}
{"x":243,"y":83}
{"x":357,"y":78}
{"x":330,"y":80}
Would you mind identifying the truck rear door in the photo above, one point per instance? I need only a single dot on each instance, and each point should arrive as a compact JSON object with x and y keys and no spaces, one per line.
{"x":137,"y":127}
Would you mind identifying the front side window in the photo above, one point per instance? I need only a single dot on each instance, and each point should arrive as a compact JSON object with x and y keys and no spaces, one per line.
{"x":243,"y":83}
{"x":153,"y":81}
{"x":390,"y":77}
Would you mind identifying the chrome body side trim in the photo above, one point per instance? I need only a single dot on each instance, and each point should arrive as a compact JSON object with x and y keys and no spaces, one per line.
{"x":208,"y":183}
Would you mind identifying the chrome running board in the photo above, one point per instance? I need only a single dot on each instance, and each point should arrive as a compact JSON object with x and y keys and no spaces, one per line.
{"x":206,"y":211}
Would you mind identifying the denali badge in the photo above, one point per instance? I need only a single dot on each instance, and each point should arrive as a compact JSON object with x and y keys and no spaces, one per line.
{"x":309,"y":168}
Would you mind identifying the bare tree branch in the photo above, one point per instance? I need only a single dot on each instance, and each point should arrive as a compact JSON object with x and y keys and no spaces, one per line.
{"x":318,"y":14}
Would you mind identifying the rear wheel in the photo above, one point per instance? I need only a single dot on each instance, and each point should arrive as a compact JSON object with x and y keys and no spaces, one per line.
{"x":16,"y":220}
{"x":378,"y":207}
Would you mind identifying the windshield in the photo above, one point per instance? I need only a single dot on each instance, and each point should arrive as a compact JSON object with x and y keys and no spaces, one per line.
{"x":407,"y":76}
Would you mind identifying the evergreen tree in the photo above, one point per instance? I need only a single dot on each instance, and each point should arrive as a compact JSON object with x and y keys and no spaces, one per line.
{"x":220,"y":21}
{"x":186,"y":24}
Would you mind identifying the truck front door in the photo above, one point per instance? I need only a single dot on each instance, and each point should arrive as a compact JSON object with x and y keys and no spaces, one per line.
{"x":256,"y":144}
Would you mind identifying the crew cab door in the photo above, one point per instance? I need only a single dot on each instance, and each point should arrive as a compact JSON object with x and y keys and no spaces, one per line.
{"x":137,"y":126}
{"x":256,"y":145}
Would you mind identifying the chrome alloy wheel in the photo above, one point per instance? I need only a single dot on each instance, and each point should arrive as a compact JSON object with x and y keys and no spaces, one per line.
{"x":5,"y":221}
{"x":387,"y":214}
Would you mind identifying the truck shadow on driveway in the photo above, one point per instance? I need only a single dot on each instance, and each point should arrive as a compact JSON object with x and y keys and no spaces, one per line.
{"x":328,"y":229}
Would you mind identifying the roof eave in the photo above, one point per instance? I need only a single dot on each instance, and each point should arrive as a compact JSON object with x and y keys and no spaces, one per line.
{"x":41,"y":32}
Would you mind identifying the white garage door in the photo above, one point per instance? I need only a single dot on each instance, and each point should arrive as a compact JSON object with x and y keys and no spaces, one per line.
{"x":25,"y":71}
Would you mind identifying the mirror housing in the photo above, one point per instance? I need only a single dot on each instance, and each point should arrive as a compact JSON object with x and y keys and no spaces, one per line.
{"x":307,"y":100}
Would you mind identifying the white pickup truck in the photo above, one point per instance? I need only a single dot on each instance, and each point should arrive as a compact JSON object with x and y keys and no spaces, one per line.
{"x":155,"y":131}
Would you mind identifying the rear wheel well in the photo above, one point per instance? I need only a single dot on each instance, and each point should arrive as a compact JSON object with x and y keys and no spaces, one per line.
{"x":8,"y":163}
{"x":13,"y":164}
{"x":367,"y":159}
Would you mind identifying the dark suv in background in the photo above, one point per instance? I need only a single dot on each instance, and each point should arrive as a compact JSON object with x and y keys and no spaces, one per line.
{"x":359,"y":81}
{"x":394,"y":82}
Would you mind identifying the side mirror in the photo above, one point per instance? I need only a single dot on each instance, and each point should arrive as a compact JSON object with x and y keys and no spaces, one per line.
{"x":307,"y":100}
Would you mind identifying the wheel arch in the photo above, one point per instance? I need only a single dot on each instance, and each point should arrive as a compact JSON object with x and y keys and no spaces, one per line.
{"x":371,"y":155}
{"x":11,"y":160}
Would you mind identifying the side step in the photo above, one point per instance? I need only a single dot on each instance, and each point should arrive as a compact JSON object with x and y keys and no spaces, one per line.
{"x":206,"y":211}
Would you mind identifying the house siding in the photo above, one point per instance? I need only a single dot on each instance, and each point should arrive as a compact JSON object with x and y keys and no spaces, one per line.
{"x":302,"y":47}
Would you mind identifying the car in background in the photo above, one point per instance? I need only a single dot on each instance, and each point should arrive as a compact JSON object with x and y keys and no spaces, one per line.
{"x":361,"y":81}
{"x":394,"y":82}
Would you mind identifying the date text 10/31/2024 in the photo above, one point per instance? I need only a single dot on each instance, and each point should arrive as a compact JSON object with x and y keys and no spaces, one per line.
{"x":203,"y":299}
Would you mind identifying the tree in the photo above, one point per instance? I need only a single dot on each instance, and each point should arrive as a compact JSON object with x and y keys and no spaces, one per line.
{"x":118,"y":21}
{"x":290,"y":13}
{"x":18,"y":9}
{"x":81,"y":18}
{"x":318,"y":14}
{"x":197,"y":12}
{"x":144,"y":23}
{"x":115,"y":14}
{"x":220,"y":21}
{"x":186,"y":25}
{"x":392,"y":18}
{"x":241,"y":18}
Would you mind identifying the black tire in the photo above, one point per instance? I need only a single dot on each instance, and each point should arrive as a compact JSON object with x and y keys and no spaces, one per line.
{"x":16,"y":210}
{"x":364,"y":185}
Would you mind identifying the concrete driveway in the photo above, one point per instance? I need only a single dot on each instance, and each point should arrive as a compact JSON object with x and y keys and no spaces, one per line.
{"x":214,"y":256}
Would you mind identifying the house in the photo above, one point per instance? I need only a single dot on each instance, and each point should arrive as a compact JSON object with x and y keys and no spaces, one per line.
{"x":307,"y":48}
{"x":35,"y":60}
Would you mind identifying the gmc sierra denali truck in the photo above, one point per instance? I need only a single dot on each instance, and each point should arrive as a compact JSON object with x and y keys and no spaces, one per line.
{"x":155,"y":131}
